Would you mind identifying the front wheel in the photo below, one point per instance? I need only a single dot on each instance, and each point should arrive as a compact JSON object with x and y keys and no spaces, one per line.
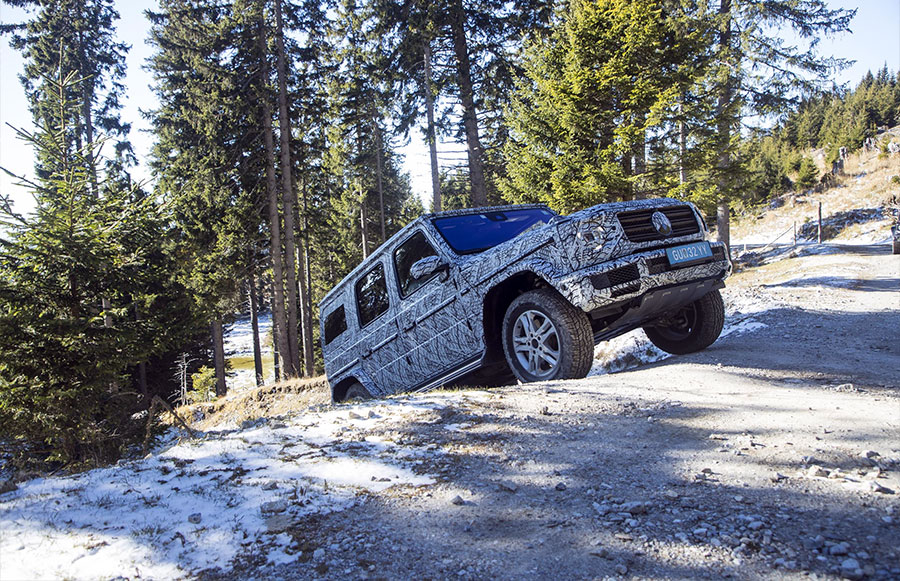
{"x":545,"y":337}
{"x":691,"y":328}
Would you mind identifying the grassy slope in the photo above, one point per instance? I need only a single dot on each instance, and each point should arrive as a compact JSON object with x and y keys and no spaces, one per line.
{"x":866,"y":184}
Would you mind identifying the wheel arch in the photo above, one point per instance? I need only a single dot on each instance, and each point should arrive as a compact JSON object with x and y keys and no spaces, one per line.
{"x":497,"y":300}
{"x":339,"y":391}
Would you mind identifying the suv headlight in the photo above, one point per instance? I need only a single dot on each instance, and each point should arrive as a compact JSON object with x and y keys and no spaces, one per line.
{"x":592,"y":232}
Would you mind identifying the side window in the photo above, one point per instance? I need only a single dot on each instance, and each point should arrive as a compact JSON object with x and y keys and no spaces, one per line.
{"x":335,"y":324}
{"x":415,"y":248}
{"x":371,"y":295}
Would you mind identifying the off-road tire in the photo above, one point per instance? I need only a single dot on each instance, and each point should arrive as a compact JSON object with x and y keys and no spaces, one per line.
{"x":701,"y":324}
{"x":575,"y":340}
{"x":358,"y":392}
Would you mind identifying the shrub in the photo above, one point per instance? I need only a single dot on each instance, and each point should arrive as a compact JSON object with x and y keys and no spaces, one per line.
{"x":203,"y":385}
{"x":807,"y":174}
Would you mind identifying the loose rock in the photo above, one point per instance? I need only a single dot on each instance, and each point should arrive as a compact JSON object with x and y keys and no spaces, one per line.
{"x":875,"y":487}
{"x":817,"y":471}
{"x":850,"y":569}
{"x":508,"y":486}
{"x":274,"y":506}
{"x":839,"y":549}
{"x":279,"y":523}
{"x":634,"y":507}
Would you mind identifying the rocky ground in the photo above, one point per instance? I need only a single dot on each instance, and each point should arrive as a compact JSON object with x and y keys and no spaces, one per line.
{"x":774,"y":453}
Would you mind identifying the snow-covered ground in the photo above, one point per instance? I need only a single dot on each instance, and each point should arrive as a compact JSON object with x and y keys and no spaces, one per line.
{"x":239,"y":343}
{"x":197,"y":504}
{"x":239,"y":335}
{"x":193,"y":505}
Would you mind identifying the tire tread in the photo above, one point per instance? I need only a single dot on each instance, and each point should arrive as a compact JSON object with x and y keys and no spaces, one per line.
{"x":711,"y":315}
{"x":575,"y":322}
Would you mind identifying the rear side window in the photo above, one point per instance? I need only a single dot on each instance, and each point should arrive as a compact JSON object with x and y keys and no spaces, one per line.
{"x":371,"y":295}
{"x":335,"y":324}
{"x":415,"y":248}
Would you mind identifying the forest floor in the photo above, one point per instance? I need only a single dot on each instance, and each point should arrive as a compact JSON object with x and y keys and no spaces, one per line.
{"x":775,"y":453}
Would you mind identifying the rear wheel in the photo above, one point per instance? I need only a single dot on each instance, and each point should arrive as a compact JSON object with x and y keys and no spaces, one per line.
{"x":691,"y":328}
{"x":545,"y":337}
{"x":358,"y":392}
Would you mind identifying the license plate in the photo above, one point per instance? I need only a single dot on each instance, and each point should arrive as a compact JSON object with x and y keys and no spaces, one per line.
{"x":689,"y":253}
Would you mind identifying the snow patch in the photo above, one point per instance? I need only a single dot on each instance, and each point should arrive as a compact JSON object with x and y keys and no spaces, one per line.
{"x":239,"y":335}
{"x":199,"y":504}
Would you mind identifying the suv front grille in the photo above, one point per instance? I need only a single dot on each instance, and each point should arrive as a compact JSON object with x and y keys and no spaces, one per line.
{"x":639,"y":228}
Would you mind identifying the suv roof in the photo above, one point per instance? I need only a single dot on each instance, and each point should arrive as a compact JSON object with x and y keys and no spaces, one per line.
{"x":338,"y":288}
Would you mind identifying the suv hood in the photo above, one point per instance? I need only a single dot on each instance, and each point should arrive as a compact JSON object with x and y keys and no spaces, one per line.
{"x":586,"y":237}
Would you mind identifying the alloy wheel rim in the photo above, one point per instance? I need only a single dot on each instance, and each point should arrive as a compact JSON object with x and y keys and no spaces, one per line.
{"x":536,"y":343}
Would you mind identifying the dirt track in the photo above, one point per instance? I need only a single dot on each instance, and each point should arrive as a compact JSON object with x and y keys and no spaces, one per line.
{"x":774,"y":453}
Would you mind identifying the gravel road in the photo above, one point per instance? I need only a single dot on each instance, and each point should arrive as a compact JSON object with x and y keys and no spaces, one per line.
{"x":772,"y":454}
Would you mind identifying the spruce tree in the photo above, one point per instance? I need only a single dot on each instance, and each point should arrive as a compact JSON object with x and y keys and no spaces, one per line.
{"x":760,"y":74}
{"x":612,"y":78}
{"x":69,"y":363}
{"x":76,"y":36}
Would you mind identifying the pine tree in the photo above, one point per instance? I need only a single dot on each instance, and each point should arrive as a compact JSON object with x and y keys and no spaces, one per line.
{"x":69,"y":362}
{"x":761,"y":74}
{"x":613,"y":78}
{"x":204,"y":125}
{"x":76,"y":36}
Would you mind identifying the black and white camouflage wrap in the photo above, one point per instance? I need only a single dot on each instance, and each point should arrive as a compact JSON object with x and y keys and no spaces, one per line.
{"x":436,"y":334}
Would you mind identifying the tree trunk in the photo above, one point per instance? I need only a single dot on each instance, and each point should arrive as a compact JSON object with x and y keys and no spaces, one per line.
{"x":626,"y":193}
{"x":142,"y":366}
{"x":276,"y":332}
{"x":724,"y":122}
{"x":639,"y":164}
{"x":279,"y":329}
{"x":87,"y":100}
{"x":363,"y":220}
{"x":219,"y":356}
{"x":306,"y":308}
{"x":682,"y":145}
{"x":430,"y":134}
{"x":107,"y":316}
{"x":254,"y":324}
{"x":379,"y":171}
{"x":292,"y":359}
{"x":467,"y":99}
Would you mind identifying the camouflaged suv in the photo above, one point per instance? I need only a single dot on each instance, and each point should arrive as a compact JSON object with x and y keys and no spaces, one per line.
{"x":490,"y":295}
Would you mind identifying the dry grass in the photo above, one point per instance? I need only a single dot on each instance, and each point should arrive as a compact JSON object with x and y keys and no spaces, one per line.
{"x":277,"y":399}
{"x":866,"y":184}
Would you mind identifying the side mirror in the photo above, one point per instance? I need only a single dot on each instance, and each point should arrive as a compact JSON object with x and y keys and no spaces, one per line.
{"x":426,"y":267}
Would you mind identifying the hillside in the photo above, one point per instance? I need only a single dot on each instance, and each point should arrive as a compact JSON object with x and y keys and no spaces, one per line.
{"x":855,"y":211}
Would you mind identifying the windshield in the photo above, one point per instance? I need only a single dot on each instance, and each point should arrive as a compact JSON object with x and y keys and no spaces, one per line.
{"x":472,"y":233}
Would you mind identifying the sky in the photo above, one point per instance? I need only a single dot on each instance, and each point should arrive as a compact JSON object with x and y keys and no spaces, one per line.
{"x":873,"y":42}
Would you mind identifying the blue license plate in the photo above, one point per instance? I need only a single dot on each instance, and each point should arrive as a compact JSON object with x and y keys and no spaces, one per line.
{"x":689,"y":253}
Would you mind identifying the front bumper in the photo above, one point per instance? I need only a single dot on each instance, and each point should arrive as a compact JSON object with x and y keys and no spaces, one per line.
{"x":618,"y":281}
